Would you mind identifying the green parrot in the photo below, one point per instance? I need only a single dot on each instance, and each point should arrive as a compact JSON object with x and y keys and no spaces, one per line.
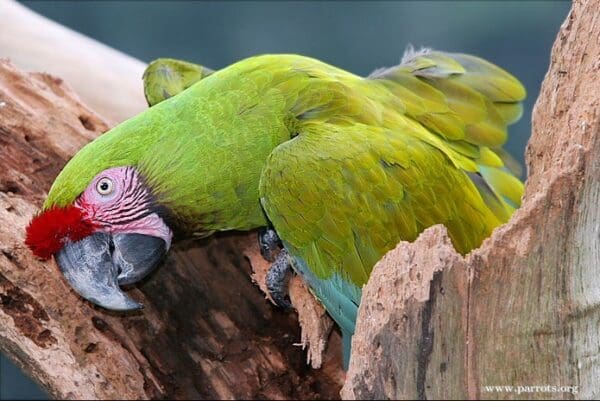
{"x":334,"y":168}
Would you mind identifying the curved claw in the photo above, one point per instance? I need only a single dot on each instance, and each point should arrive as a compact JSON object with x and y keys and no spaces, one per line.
{"x":277,"y":280}
{"x":268,"y":242}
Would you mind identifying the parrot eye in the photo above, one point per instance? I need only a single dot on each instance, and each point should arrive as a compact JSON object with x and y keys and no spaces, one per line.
{"x":105,"y":186}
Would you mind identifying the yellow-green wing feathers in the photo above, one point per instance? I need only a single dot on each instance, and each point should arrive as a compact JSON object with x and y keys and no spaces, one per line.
{"x":469,"y":102}
{"x":343,"y":196}
{"x":166,"y":77}
{"x":377,"y":160}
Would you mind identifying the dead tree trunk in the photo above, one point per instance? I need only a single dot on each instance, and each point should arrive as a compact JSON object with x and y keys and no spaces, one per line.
{"x":206,"y":330}
{"x":524,"y":309}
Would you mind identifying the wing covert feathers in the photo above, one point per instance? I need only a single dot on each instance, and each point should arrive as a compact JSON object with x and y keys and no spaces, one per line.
{"x":377,"y":160}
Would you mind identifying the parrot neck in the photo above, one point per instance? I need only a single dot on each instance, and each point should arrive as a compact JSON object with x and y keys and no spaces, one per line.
{"x":201,"y":152}
{"x":206,"y":169}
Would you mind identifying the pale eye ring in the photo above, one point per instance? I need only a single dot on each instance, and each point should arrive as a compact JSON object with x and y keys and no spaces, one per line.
{"x":105,"y":186}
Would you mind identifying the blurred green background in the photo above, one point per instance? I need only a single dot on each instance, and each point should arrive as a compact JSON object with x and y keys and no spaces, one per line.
{"x":359,"y":36}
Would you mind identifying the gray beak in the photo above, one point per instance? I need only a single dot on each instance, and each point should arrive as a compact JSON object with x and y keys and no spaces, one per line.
{"x":96,"y":265}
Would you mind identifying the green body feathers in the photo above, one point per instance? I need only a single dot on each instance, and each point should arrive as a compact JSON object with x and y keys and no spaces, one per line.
{"x":344,"y":167}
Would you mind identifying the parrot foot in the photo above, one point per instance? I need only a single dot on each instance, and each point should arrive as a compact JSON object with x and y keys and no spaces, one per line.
{"x":269,"y":242}
{"x":277,"y":279}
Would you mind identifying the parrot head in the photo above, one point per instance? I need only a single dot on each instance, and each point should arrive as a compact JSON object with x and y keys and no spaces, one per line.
{"x":171,"y":171}
{"x":112,"y":234}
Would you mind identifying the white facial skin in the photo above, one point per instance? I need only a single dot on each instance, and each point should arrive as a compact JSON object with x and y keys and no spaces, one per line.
{"x":118,"y":201}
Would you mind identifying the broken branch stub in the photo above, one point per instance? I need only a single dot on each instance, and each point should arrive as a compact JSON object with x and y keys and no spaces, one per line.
{"x":524,"y":308}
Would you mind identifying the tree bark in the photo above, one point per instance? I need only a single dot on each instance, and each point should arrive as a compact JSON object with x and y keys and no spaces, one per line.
{"x":206,"y":330}
{"x":524,"y":308}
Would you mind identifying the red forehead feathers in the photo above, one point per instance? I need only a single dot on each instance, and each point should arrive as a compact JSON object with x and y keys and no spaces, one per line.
{"x":48,"y":231}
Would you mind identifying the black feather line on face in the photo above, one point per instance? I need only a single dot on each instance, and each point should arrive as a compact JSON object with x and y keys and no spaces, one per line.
{"x":184,"y":223}
{"x":156,"y":206}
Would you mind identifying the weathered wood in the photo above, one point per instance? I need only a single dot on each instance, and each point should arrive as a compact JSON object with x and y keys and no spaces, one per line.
{"x":200,"y":349}
{"x":315,"y":323}
{"x":524,"y":308}
{"x":206,"y":330}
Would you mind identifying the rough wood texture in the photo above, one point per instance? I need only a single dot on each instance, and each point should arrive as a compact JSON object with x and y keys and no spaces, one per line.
{"x":315,"y":323}
{"x":524,"y":309}
{"x":206,"y":330}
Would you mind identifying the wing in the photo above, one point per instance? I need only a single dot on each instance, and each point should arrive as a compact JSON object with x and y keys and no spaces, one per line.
{"x":380,"y":159}
{"x":342,"y":196}
{"x":165,"y":77}
{"x":467,"y":102}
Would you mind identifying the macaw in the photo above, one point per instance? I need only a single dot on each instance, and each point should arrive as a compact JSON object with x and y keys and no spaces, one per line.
{"x":334,"y":168}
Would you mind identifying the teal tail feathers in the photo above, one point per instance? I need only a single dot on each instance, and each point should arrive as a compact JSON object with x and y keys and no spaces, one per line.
{"x":339,"y":297}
